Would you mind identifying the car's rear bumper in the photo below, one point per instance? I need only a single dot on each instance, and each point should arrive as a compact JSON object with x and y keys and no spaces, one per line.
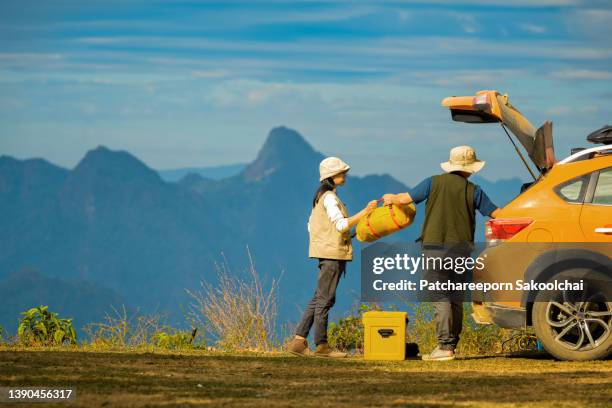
{"x":506,"y":317}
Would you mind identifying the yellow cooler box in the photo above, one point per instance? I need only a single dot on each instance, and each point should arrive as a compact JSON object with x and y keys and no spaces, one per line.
{"x":384,"y":335}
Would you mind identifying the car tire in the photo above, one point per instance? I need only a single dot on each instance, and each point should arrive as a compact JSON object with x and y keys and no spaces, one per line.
{"x":573,"y":330}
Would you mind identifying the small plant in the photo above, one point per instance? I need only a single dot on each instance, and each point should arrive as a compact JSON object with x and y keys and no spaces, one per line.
{"x":38,"y":326}
{"x":347,"y":333}
{"x":520,"y":340}
{"x":172,"y":339}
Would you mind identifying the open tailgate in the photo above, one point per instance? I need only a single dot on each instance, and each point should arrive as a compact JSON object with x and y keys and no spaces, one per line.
{"x":492,"y":107}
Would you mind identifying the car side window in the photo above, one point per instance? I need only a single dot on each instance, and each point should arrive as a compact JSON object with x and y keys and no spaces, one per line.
{"x":573,"y":191}
{"x":603,"y":190}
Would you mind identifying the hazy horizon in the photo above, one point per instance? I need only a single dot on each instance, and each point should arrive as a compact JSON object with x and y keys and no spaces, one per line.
{"x":233,"y":167}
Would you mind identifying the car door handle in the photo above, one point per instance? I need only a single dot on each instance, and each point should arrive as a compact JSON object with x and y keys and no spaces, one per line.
{"x":603,"y":230}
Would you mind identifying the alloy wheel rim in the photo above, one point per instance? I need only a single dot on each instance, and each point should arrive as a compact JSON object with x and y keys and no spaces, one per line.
{"x":579,"y":326}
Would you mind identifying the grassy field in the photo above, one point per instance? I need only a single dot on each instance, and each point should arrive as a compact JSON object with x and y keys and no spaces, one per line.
{"x":210,"y":379}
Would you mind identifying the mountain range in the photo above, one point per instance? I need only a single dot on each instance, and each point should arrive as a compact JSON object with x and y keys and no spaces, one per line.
{"x":213,"y":172}
{"x":112,"y":231}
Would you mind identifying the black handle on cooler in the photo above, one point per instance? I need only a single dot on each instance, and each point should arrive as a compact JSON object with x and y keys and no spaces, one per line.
{"x":385,"y":332}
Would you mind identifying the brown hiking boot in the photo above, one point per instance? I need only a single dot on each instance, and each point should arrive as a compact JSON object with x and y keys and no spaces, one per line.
{"x":323,"y":350}
{"x":298,"y":347}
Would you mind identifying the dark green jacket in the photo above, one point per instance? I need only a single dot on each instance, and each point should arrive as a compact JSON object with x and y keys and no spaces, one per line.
{"x":449,"y":211}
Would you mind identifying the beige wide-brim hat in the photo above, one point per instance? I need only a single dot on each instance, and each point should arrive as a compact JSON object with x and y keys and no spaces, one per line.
{"x":331,"y":166}
{"x":463,"y":158}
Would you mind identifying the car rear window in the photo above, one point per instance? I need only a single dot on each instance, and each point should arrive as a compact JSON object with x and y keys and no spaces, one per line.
{"x":573,"y":191}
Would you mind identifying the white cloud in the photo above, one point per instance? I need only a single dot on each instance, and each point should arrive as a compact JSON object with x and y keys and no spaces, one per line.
{"x":28,"y":57}
{"x":565,"y":110}
{"x":595,"y":16}
{"x":505,"y":3}
{"x":247,"y":15}
{"x":559,"y":110}
{"x":210,"y":74}
{"x":594,"y":23}
{"x":533,"y":28}
{"x":246,"y":93}
{"x":88,"y":109}
{"x":386,"y":47}
{"x":471,"y":78}
{"x":404,"y":15}
{"x":583,"y":74}
{"x":467,"y":22}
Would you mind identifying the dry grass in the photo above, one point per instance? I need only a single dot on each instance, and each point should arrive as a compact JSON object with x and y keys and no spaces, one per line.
{"x":249,"y":379}
{"x":123,"y":331}
{"x":238,"y":313}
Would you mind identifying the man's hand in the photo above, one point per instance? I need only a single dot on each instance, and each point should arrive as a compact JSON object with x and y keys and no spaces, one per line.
{"x":389,"y":199}
{"x":397,"y":199}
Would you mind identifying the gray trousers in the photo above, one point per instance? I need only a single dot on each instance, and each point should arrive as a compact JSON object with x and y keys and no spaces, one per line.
{"x":317,"y":310}
{"x":449,"y":323}
{"x":448,"y":305}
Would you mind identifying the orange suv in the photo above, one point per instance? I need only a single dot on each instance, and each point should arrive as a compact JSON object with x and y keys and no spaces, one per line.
{"x":559,"y":226}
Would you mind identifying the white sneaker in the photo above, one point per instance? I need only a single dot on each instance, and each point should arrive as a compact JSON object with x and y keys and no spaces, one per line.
{"x":439,"y":355}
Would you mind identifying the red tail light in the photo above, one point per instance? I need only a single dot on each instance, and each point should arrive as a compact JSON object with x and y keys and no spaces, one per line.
{"x":505,"y":228}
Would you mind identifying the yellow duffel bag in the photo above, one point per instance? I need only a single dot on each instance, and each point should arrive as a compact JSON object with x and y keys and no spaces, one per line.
{"x":385,"y":220}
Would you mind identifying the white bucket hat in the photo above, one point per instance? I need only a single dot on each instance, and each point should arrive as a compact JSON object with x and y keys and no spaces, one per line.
{"x":331,"y":166}
{"x":463,"y":158}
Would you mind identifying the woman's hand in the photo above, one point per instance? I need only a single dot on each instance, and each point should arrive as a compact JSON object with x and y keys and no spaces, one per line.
{"x":372,"y":205}
{"x":352,"y":221}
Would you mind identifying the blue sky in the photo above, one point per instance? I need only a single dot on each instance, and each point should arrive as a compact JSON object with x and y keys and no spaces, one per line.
{"x":197,"y":83}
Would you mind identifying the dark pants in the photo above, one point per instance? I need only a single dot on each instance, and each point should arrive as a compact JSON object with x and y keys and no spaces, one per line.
{"x":317,"y":310}
{"x":449,"y":323}
{"x":448,"y":305}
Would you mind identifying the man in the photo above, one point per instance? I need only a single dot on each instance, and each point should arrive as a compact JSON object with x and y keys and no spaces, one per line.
{"x":449,"y":223}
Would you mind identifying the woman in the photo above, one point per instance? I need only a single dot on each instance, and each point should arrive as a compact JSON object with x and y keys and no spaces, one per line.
{"x":330,"y":241}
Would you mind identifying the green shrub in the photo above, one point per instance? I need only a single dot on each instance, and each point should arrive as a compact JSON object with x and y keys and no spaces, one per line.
{"x":40,"y":327}
{"x":347,"y":333}
{"x":421,"y":326}
{"x":173,"y":339}
{"x":475,"y":339}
